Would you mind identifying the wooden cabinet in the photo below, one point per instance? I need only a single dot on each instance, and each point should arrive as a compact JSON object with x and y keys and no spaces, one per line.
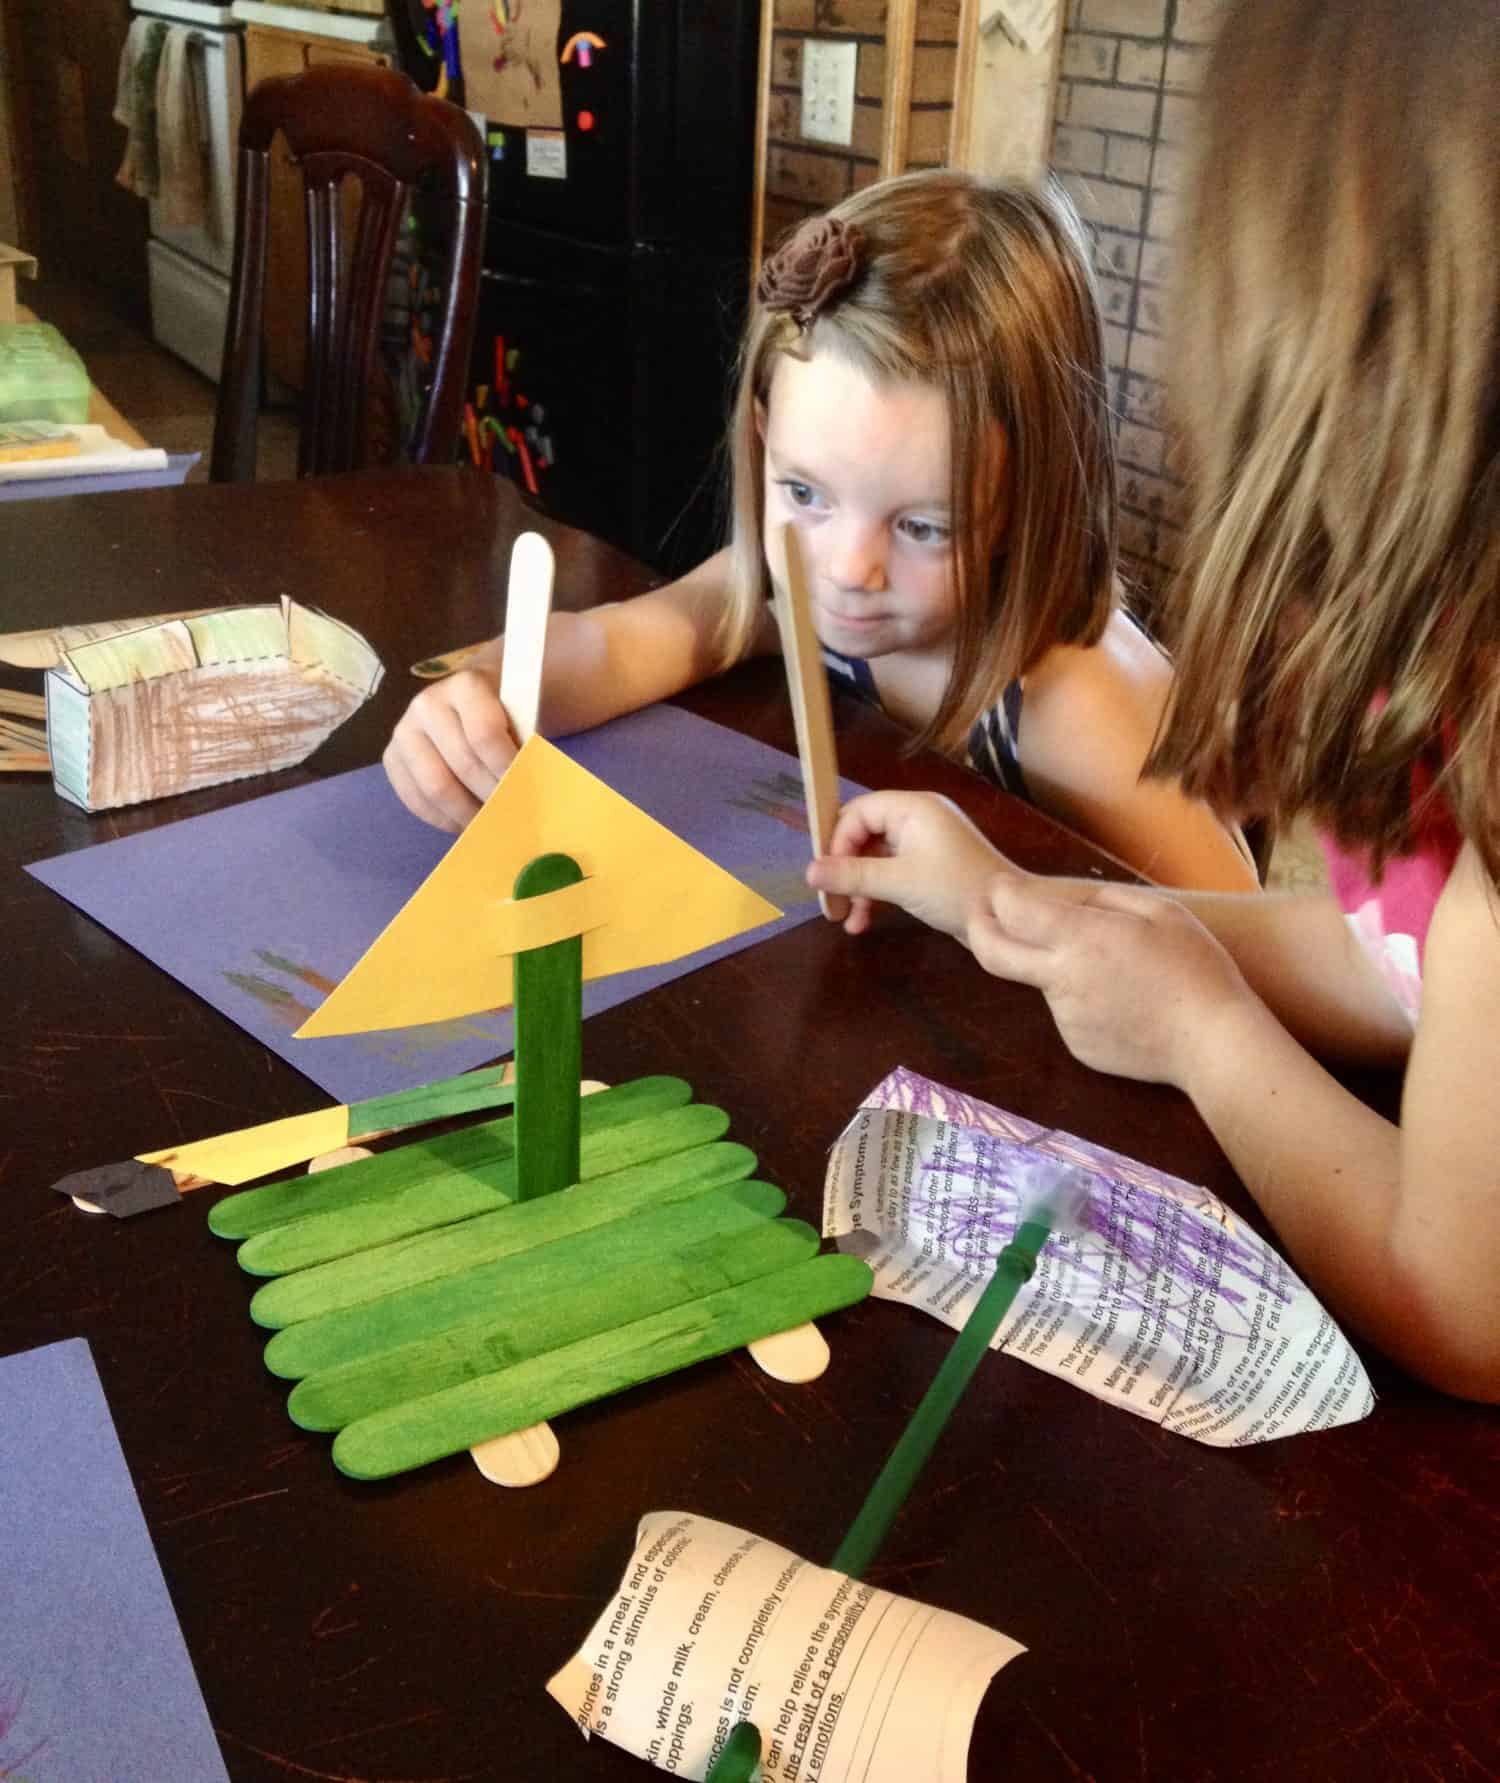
{"x":271,"y":51}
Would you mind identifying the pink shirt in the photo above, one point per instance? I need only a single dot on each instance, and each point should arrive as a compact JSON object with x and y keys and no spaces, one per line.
{"x":1392,"y":917}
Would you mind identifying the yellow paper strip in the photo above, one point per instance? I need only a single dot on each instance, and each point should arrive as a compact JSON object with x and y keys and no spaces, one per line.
{"x":519,"y":924}
{"x":240,"y":1157}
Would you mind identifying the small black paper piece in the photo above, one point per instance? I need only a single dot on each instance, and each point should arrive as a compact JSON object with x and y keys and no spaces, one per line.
{"x":122,"y":1190}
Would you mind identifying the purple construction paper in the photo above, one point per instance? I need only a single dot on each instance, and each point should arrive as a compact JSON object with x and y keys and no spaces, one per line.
{"x":95,"y":1681}
{"x":101,"y":483}
{"x":263,"y":907}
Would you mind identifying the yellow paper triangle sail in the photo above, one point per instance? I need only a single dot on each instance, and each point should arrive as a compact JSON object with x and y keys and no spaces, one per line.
{"x":646,"y":897}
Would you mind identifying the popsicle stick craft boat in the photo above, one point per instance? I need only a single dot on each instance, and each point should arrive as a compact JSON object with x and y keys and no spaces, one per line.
{"x":459,"y":1291}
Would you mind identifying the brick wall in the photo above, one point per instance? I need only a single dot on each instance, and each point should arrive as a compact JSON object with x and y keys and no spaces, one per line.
{"x":803,"y":177}
{"x":1126,"y":98}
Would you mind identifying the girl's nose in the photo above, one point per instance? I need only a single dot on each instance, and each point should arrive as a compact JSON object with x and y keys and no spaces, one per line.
{"x":857,"y":562}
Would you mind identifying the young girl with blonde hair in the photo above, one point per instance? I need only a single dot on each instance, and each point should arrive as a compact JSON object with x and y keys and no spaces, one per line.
{"x":922,"y":396}
{"x":1338,"y":655}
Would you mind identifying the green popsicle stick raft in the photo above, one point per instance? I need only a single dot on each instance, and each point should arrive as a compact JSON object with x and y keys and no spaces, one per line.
{"x":423,"y":1307}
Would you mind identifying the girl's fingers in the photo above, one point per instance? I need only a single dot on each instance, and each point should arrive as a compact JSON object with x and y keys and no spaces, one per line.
{"x":424,"y":784}
{"x":862,"y":877}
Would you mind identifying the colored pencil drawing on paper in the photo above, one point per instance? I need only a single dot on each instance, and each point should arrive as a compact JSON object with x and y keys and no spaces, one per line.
{"x":13,"y":1755}
{"x":1161,"y":1301}
{"x":402,"y":1046}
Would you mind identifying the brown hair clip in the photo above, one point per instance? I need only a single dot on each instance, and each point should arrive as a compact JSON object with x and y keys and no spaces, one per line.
{"x":813,"y":267}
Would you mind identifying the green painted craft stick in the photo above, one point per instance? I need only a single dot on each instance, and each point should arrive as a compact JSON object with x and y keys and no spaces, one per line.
{"x":321,"y":1238}
{"x":514,"y":1283}
{"x":430,"y":1102}
{"x":1013,"y":1268}
{"x":445,"y":1423}
{"x":472,"y":1150}
{"x":594,"y":1300}
{"x":350,"y":1280}
{"x":739,"y":1756}
{"x":549,"y":1042}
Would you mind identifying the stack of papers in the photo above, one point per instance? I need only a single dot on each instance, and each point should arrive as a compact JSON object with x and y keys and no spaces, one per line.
{"x":101,"y":455}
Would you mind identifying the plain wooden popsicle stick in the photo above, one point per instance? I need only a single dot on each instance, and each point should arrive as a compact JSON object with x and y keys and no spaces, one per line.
{"x":528,"y":606}
{"x":24,"y":705}
{"x":812,"y":713}
{"x":523,"y":1458}
{"x":796,"y":1357}
{"x":346,"y":1154}
{"x":444,"y":1423}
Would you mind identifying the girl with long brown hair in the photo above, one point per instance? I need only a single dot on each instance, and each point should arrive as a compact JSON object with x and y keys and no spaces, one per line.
{"x":922,"y":397}
{"x":1338,"y":655}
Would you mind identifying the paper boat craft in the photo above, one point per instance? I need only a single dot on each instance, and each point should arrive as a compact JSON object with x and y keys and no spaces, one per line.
{"x":191,"y":702}
{"x":469,"y":1286}
{"x":422,"y":1310}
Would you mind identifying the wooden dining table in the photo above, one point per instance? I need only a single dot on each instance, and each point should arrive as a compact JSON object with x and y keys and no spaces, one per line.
{"x":1323,"y":1607}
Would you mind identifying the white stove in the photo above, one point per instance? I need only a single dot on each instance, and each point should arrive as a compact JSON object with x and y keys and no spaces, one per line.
{"x":189,"y":267}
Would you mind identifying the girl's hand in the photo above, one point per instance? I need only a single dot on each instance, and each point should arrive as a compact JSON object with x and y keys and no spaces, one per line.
{"x":450,"y":748}
{"x":914,"y":849}
{"x":1136,"y":984}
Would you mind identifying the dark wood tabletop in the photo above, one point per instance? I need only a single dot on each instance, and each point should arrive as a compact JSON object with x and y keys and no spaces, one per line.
{"x":1325,"y":1607}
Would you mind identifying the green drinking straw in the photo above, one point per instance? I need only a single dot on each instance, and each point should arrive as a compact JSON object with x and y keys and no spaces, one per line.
{"x":1062,"y":1204}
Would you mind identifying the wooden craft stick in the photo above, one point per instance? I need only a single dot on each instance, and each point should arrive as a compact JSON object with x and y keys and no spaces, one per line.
{"x":529,"y":1278}
{"x":521,"y":1458}
{"x":448,"y":1422}
{"x":350,"y":1280}
{"x":19,"y":763}
{"x":812,"y":712}
{"x":528,"y":606}
{"x":32,"y":736}
{"x":795,"y":1357}
{"x":549,"y":1042}
{"x":472,"y":1149}
{"x":25,"y":705}
{"x":586,"y":1301}
{"x":460,"y":1195}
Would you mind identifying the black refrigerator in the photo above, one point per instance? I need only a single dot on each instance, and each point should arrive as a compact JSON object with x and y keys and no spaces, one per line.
{"x":616,"y":262}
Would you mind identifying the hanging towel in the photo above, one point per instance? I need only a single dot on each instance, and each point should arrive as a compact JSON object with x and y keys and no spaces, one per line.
{"x":135,"y":105}
{"x":181,"y":130}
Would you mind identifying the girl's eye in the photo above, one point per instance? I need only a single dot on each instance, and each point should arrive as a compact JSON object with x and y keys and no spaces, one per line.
{"x":800,"y":495}
{"x":925,"y":532}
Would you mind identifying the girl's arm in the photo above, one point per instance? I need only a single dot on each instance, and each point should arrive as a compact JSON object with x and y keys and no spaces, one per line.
{"x":1295,"y":951}
{"x":1088,"y":719}
{"x":453,"y":743}
{"x":1398,"y":1228}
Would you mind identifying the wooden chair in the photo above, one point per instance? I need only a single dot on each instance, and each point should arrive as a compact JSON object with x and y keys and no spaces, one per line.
{"x":344,"y":120}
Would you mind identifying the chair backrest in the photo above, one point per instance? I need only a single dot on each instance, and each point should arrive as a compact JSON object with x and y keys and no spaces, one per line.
{"x":342,"y":120}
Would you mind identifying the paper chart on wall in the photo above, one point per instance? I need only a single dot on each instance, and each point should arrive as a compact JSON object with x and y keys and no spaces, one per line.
{"x":711,"y":1625}
{"x":1165,"y":1304}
